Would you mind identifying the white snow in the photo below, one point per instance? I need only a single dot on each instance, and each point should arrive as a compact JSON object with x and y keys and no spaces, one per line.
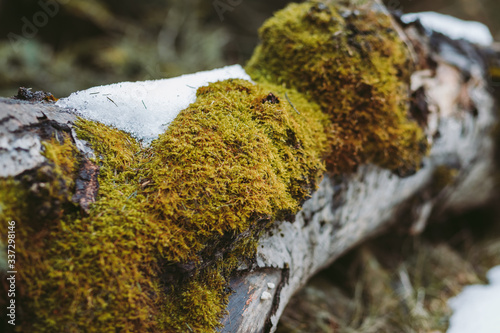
{"x":145,"y":109}
{"x":271,"y":285}
{"x":265,"y":296}
{"x":454,"y":28}
{"x":477,"y":308}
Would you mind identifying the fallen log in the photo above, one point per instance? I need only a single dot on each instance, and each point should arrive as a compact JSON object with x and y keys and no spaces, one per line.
{"x":452,"y":90}
{"x":451,"y":99}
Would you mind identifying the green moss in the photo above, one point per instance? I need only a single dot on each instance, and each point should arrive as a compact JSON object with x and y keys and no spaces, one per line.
{"x":42,"y":196}
{"x":228,"y":162}
{"x":442,"y":177}
{"x":352,"y":63}
{"x":173,"y":220}
{"x":232,"y":158}
{"x":233,"y":162}
{"x":38,"y":201}
{"x":198,"y":306}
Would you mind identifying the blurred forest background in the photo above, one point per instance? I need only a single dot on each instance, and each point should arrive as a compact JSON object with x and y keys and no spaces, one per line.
{"x":66,"y":45}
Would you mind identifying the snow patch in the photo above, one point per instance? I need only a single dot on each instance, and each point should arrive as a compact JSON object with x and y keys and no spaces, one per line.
{"x":454,"y":28}
{"x":476,"y":308}
{"x":145,"y":109}
{"x":265,"y":296}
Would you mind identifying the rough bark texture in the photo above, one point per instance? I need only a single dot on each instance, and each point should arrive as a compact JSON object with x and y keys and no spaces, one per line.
{"x":452,"y":98}
{"x":21,"y":126}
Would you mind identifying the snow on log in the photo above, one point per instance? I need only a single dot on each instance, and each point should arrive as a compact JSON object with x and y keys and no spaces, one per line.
{"x":144,"y":109}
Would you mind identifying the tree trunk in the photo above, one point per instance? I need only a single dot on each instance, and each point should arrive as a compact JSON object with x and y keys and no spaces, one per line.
{"x":452,"y":93}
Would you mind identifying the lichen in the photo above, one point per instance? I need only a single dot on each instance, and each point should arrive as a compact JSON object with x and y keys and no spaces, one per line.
{"x":352,"y":62}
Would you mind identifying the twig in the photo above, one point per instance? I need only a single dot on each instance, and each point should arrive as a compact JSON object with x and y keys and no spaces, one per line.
{"x":112,"y":101}
{"x":289,"y":101}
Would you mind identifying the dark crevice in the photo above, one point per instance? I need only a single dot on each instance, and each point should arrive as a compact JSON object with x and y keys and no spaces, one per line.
{"x":285,"y":276}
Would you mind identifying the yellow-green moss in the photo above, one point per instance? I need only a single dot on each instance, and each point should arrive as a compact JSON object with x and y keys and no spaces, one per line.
{"x":41,"y":195}
{"x":237,"y":159}
{"x":38,"y":201}
{"x":198,"y":306}
{"x":351,"y":62}
{"x":226,"y":162}
{"x":443,"y":176}
{"x":232,"y":158}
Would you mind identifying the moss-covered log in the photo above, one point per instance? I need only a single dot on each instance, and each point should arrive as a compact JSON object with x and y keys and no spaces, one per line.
{"x":220,"y":220}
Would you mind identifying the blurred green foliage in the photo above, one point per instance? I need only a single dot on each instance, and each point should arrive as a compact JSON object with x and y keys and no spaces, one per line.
{"x":94,"y":42}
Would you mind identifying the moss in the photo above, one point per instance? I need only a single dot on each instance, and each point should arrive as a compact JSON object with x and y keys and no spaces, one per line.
{"x":233,"y":162}
{"x":442,"y":177}
{"x":44,"y":195}
{"x":225,"y":163}
{"x":198,"y":306}
{"x":173,"y":220}
{"x":248,"y":159}
{"x":99,"y":270}
{"x":38,"y":201}
{"x":352,"y":63}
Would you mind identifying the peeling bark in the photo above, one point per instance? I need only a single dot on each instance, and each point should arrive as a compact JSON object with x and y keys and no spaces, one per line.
{"x":87,"y":185}
{"x":23,"y":126}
